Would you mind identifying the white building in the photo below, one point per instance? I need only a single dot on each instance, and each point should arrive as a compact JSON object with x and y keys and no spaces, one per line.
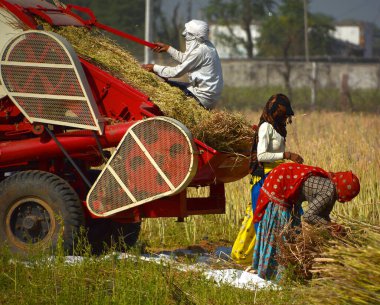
{"x":359,"y":34}
{"x":226,"y":48}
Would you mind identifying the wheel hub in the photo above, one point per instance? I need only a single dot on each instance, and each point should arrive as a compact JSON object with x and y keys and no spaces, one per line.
{"x":30,"y":221}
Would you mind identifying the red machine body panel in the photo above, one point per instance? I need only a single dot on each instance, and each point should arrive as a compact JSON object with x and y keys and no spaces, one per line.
{"x":24,"y":145}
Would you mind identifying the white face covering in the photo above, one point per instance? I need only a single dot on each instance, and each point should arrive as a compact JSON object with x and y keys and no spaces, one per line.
{"x":191,"y":41}
{"x":196,"y":32}
{"x":197,"y":28}
{"x":191,"y":45}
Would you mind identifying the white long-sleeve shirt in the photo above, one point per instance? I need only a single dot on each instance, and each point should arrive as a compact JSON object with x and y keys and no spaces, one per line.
{"x":271,"y":145}
{"x":204,"y":70}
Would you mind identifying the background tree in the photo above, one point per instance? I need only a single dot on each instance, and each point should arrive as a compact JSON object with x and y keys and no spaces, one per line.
{"x":282,"y":35}
{"x":168,"y":27}
{"x":320,"y":39}
{"x":129,"y":16}
{"x":244,"y":13}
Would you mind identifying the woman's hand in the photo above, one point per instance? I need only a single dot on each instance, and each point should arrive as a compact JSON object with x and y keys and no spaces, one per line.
{"x":293,"y":157}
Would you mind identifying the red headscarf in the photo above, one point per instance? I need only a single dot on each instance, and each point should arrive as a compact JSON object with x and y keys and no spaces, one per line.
{"x":284,"y":182}
{"x":346,"y":184}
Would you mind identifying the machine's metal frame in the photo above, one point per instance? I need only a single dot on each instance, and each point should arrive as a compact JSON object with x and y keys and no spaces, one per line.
{"x":25,"y":144}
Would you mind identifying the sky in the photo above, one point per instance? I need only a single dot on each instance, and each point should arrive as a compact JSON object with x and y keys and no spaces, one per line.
{"x":361,"y":10}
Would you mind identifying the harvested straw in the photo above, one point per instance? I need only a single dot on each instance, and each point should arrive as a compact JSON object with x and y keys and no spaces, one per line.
{"x":350,"y":272}
{"x":219,"y":129}
{"x":13,"y":22}
{"x":344,"y":270}
{"x":303,"y":250}
{"x":299,"y":248}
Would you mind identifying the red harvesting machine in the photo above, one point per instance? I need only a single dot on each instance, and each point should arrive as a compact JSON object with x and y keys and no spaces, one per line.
{"x":58,"y":116}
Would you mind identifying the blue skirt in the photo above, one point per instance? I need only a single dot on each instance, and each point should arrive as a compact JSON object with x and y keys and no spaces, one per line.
{"x":255,"y":192}
{"x":275,"y":219}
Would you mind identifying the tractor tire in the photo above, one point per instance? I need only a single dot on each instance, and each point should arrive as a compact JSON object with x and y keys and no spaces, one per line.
{"x":36,"y":208}
{"x":105,"y":234}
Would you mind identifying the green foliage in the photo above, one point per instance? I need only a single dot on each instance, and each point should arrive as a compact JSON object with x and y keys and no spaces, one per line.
{"x":243,"y":13}
{"x":126,"y":16}
{"x":253,"y":98}
{"x":238,"y":12}
{"x":129,"y":17}
{"x":167,"y":27}
{"x":320,"y":40}
{"x":282,"y":35}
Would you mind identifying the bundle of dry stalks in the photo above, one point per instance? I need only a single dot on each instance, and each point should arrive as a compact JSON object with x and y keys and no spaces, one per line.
{"x":219,"y":129}
{"x":344,"y":270}
{"x":298,"y":248}
{"x":349,"y":271}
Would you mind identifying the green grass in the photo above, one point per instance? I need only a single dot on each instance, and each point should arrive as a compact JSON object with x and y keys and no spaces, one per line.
{"x":351,"y":279}
{"x":328,"y":99}
{"x":100,"y":280}
{"x":166,"y":232}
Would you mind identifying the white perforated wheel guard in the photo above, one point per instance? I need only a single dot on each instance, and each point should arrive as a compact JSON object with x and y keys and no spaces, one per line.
{"x":110,"y":180}
{"x":81,"y":111}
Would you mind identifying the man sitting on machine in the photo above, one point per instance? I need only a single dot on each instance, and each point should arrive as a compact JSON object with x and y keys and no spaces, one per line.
{"x":201,"y":62}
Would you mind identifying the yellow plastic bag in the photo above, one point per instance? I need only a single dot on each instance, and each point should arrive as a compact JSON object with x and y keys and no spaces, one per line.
{"x":242,"y":250}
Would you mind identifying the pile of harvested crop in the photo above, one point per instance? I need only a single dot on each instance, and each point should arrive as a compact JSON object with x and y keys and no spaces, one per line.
{"x":342,"y":269}
{"x":300,"y":247}
{"x":348,"y":271}
{"x":219,"y":129}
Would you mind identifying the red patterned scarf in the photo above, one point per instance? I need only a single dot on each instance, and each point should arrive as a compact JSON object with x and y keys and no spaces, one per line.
{"x":347,"y":185}
{"x":283,"y":184}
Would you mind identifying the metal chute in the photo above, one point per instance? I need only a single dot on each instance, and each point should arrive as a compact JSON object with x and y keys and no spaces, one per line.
{"x":155,"y":158}
{"x":41,"y":73}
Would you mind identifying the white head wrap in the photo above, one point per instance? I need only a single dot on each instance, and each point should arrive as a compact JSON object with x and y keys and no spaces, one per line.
{"x":197,"y":28}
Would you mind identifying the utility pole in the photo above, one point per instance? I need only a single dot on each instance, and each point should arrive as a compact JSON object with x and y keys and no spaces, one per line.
{"x":305,"y":22}
{"x":148,"y":30}
{"x":313,"y":96}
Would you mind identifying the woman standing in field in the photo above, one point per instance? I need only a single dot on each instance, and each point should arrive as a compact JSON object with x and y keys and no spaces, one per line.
{"x":279,"y":204}
{"x":268,"y":151}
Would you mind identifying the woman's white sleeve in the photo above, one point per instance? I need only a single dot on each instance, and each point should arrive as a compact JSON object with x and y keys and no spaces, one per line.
{"x":265,"y":138}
